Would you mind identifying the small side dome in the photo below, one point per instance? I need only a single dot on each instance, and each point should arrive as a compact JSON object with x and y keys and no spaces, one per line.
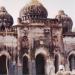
{"x":65,"y":20}
{"x":6,"y":19}
{"x":34,"y":10}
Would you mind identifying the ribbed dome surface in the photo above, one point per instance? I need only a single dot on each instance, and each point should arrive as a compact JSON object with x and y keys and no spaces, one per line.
{"x":5,"y":18}
{"x":33,"y":10}
{"x":65,"y":20}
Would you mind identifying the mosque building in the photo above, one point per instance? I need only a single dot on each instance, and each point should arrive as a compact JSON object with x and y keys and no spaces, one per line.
{"x":36,"y":45}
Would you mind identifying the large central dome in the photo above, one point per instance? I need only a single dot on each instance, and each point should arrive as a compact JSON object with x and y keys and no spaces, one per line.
{"x":34,"y":10}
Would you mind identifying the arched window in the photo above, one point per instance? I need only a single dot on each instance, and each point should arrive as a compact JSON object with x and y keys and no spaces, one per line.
{"x":72,"y":62}
{"x":40,"y":65}
{"x":56,"y":63}
{"x":25,"y":66}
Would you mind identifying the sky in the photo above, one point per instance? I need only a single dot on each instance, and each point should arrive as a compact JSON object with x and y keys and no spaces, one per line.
{"x":53,"y":6}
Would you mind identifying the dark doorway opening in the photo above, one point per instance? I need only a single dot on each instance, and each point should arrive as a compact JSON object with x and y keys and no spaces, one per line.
{"x":40,"y":65}
{"x":72,"y":62}
{"x":3,"y":65}
{"x":25,"y":66}
{"x":56,"y":63}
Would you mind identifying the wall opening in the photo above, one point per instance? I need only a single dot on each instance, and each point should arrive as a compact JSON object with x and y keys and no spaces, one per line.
{"x":25,"y":66}
{"x":72,"y":62}
{"x":3,"y":65}
{"x":56,"y":63}
{"x":40,"y":65}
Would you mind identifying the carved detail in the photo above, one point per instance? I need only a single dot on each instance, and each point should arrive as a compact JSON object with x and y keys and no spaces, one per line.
{"x":24,"y":42}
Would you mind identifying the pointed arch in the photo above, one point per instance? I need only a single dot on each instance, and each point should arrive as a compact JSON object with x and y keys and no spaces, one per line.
{"x":26,"y":55}
{"x":5,"y":53}
{"x":42,"y":51}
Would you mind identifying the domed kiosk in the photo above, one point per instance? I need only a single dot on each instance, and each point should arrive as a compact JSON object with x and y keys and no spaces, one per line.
{"x":6,"y":19}
{"x":65,"y":20}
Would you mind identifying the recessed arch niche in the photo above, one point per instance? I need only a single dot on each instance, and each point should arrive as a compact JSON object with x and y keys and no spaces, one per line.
{"x":40,"y":64}
{"x":72,"y":62}
{"x":25,"y":66}
{"x":4,"y":57}
{"x":56,"y":63}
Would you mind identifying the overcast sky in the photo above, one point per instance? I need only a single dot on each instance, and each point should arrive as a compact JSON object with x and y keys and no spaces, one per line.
{"x":52,"y":6}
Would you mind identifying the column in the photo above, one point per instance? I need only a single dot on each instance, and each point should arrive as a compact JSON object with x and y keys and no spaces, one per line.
{"x":47,"y":70}
{"x":33,"y":69}
{"x":19,"y":64}
{"x":30,"y":67}
{"x":50,"y":70}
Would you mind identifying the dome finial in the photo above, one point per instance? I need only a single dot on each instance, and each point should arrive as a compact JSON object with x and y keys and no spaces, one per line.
{"x":34,"y":1}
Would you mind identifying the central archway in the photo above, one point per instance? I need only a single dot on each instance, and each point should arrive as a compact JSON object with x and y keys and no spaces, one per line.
{"x":40,"y":64}
{"x":25,"y":66}
{"x":3,"y":65}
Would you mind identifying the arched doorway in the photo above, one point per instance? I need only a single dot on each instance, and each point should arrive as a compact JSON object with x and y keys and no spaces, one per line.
{"x":25,"y":66}
{"x":72,"y":62}
{"x":40,"y":65}
{"x":56,"y":63}
{"x":3,"y":65}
